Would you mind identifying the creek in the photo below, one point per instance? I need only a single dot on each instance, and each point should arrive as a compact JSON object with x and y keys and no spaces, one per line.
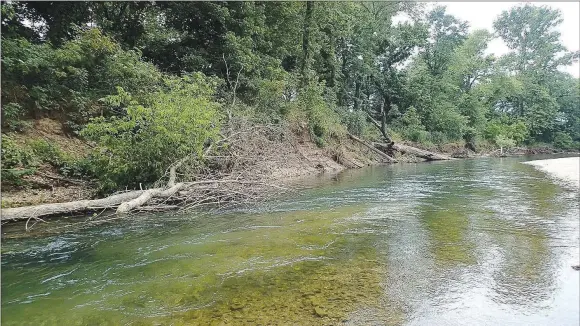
{"x":477,"y":242}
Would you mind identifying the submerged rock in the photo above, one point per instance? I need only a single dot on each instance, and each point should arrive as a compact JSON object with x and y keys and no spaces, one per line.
{"x":320,"y":312}
{"x":237,"y":304}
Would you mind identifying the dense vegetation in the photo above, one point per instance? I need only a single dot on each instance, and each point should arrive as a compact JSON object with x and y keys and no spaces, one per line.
{"x":148,"y":83}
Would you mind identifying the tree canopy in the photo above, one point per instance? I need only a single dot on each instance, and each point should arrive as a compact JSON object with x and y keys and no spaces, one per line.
{"x":341,"y":65}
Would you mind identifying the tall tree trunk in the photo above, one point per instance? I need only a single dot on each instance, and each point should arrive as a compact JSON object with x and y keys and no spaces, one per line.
{"x":381,"y":126}
{"x":306,"y":41}
{"x":342,"y":98}
{"x":331,"y":60}
{"x":357,"y":95}
{"x":385,"y":108}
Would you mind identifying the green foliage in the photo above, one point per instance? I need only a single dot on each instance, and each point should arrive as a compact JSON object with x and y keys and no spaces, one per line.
{"x":446,"y":34}
{"x":272,"y":99}
{"x":15,"y":155}
{"x":564,"y":141}
{"x":323,"y":120}
{"x":503,"y":141}
{"x":17,"y":161}
{"x":532,"y":32}
{"x":38,"y":79}
{"x":21,"y":159}
{"x":13,"y":117}
{"x":46,"y":152}
{"x":517,"y":131}
{"x":170,"y":124}
{"x":411,"y":127}
{"x":355,"y":122}
{"x":323,"y":68}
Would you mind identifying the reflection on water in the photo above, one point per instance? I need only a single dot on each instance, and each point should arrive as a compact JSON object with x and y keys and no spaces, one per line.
{"x":484,"y":241}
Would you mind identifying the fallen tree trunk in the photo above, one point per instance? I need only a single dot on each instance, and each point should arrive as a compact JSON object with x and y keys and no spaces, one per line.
{"x":429,"y":156}
{"x":24,"y":213}
{"x":139,"y":201}
{"x":124,"y":202}
{"x":372,"y":148}
{"x":203,"y":191}
{"x":171,"y":191}
{"x":405,"y":149}
{"x":126,"y":207}
{"x":224,"y":185}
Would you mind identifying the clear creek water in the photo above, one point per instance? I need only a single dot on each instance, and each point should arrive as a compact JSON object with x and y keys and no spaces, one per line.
{"x":468,"y":242}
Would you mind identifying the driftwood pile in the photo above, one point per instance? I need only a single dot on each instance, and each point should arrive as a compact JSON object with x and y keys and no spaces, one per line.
{"x":227,"y":178}
{"x":183,"y":195}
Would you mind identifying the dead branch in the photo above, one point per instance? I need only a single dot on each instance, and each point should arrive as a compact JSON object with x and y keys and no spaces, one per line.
{"x":24,"y":213}
{"x":376,"y":151}
{"x":429,"y":156}
{"x":67,"y":180}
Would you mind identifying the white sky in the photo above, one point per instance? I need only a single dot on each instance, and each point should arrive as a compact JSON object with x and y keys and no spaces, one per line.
{"x":482,"y":14}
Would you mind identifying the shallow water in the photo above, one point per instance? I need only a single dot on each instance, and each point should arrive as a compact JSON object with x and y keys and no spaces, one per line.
{"x":478,"y":242}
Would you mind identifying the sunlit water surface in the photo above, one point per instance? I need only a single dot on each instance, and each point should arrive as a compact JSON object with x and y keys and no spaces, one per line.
{"x":468,"y":242}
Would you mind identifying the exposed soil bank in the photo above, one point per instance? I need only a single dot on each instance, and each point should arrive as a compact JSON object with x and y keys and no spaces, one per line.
{"x":566,"y":170}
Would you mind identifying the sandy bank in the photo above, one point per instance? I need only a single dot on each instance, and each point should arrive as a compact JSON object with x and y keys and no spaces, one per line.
{"x":566,"y":169}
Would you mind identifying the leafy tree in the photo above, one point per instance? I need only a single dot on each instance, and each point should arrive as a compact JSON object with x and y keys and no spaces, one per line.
{"x":531,"y":32}
{"x":446,"y":33}
{"x":125,"y":66}
{"x":388,"y":80}
{"x":38,"y":79}
{"x":170,"y":125}
{"x":503,"y":141}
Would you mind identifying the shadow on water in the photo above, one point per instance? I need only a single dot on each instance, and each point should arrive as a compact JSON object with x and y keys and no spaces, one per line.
{"x":487,"y":241}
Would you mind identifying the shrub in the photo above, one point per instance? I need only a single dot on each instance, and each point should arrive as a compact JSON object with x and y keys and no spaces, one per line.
{"x":271,"y":102}
{"x":418,"y":136}
{"x":563,"y":141}
{"x":447,"y":124}
{"x":503,"y":141}
{"x":312,"y":108}
{"x":471,"y":137}
{"x":13,"y":117}
{"x":48,"y":153}
{"x":410,"y":126}
{"x":516,"y":131}
{"x":171,"y":124}
{"x":17,"y":161}
{"x":38,"y":79}
{"x":355,"y":121}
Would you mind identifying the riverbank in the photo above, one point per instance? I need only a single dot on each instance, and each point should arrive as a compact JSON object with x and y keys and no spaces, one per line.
{"x":259,"y":159}
{"x":258,"y":162}
{"x":565,"y":170}
{"x":299,"y":161}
